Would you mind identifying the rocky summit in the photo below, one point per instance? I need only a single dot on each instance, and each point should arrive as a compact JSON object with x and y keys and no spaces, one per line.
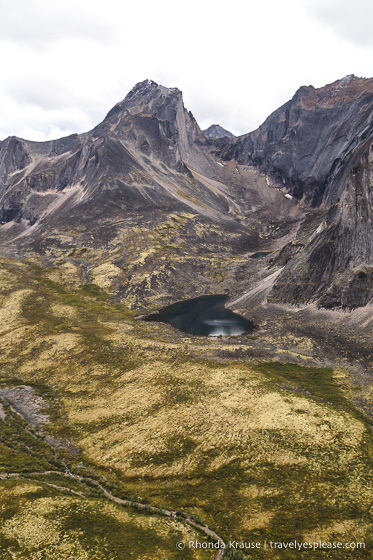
{"x":217,"y":131}
{"x":122,"y":433}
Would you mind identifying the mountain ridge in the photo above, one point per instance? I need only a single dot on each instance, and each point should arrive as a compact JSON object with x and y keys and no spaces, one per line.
{"x":300,"y":143}
{"x":149,"y":158}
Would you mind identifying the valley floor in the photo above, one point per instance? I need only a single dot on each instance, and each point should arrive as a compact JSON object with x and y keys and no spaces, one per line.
{"x":256,"y":438}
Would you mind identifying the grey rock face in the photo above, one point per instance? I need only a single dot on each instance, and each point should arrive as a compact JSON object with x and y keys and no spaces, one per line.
{"x":27,"y":403}
{"x":303,"y":144}
{"x":154,"y":118}
{"x":335,"y":268}
{"x":217,"y":131}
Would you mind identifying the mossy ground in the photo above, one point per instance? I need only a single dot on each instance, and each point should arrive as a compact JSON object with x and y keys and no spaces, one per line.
{"x":40,"y":523}
{"x":259,"y":450}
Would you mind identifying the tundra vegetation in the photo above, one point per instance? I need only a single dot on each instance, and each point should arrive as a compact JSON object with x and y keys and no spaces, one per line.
{"x":253,"y":448}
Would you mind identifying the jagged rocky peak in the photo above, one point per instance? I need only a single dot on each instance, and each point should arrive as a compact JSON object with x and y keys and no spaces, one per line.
{"x":150,"y":90}
{"x":217,"y":131}
{"x":148,"y":97}
{"x":146,"y":137}
{"x":155,"y":118}
{"x":151,"y":99}
{"x":301,"y":144}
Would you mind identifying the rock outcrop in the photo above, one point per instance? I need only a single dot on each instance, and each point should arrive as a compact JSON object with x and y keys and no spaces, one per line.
{"x":335,"y":267}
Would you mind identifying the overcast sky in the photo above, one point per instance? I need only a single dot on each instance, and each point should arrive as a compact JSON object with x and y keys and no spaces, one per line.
{"x":65,"y":63}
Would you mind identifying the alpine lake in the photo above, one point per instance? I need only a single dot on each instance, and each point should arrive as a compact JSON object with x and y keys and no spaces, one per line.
{"x":203,"y":316}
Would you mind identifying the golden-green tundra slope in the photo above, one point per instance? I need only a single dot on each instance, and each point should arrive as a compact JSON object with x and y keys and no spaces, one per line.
{"x":183,"y":432}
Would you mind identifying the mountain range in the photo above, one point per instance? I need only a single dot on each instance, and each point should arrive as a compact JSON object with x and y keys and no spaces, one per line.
{"x":299,"y":186}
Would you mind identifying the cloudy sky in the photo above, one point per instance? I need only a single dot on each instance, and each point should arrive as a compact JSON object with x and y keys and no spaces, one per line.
{"x":65,"y":63}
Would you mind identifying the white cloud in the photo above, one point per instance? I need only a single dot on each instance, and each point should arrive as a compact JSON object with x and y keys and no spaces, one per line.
{"x":39,"y":136}
{"x":36,"y":23}
{"x":350,"y":19}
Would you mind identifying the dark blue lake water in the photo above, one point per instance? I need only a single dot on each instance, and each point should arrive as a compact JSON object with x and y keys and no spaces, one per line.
{"x":203,"y":316}
{"x":260,"y":255}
